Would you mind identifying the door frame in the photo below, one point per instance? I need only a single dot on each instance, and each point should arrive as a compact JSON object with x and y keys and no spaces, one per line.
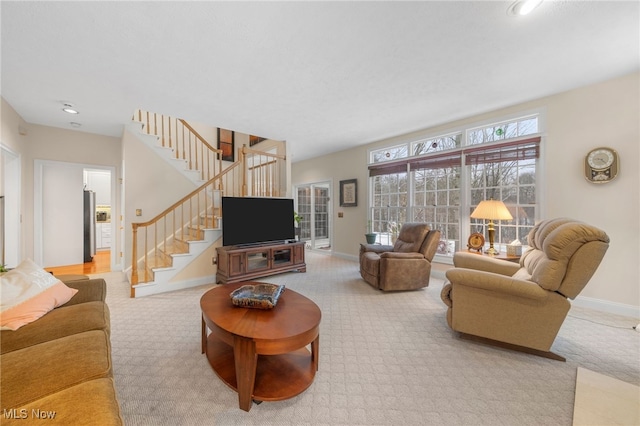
{"x":37,"y":208}
{"x":11,"y":250}
{"x":328,"y":184}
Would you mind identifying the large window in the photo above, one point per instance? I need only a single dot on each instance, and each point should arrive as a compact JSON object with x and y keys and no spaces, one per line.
{"x":389,"y":204}
{"x":445,"y":178}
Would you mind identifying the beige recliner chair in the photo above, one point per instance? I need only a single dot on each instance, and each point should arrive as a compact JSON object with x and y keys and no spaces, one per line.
{"x":522,"y":306}
{"x":404,"y":266}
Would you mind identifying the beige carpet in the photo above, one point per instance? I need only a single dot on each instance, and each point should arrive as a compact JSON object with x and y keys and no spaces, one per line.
{"x":602,"y":400}
{"x":385,"y":359}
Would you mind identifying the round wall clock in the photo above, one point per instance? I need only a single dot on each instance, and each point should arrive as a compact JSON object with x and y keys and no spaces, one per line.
{"x":476,"y":241}
{"x":601,"y":165}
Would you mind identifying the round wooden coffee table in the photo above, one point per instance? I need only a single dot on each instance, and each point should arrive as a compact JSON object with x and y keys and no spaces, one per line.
{"x":261,"y":354}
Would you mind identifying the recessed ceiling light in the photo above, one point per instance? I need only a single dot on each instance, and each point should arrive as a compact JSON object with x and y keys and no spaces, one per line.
{"x":74,"y":124}
{"x":523,"y":7}
{"x":68,"y":108}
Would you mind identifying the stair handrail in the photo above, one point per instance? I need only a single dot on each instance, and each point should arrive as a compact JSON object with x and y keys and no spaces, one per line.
{"x":195,"y":194}
{"x":216,"y":183}
{"x":207,"y":159}
{"x":270,"y":182}
{"x":218,"y":152}
{"x":195,"y":132}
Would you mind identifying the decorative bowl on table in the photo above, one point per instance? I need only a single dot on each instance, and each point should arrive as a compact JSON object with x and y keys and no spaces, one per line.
{"x":258,"y":296}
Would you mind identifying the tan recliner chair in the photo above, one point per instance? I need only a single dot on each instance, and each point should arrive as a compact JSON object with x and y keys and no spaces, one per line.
{"x":522,"y":306}
{"x":404,"y":266}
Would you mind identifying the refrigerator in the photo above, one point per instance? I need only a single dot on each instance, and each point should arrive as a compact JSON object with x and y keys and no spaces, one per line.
{"x":89,"y":225}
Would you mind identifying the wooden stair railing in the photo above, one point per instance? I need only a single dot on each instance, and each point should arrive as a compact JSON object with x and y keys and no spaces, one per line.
{"x":263,"y":173}
{"x":184,"y":140}
{"x":170,"y":231}
{"x":255,"y":173}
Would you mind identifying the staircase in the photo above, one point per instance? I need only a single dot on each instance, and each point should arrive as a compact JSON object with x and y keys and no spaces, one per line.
{"x":169,"y":243}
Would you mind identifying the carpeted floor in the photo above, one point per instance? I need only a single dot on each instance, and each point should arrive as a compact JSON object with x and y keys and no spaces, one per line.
{"x":385,"y":359}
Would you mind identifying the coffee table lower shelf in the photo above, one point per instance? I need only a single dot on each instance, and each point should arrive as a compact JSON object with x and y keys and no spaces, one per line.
{"x":278,"y":377}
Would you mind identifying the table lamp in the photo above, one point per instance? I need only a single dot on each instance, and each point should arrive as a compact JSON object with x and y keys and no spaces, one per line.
{"x":492,"y":210}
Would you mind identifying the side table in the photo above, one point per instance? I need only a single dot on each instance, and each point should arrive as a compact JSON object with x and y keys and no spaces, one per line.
{"x":499,"y":256}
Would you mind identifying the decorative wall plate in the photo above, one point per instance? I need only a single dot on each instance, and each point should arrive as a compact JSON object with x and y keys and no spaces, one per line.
{"x":476,"y":241}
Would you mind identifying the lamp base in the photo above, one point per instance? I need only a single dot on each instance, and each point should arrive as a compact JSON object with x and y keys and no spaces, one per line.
{"x":492,"y":251}
{"x":491,"y":230}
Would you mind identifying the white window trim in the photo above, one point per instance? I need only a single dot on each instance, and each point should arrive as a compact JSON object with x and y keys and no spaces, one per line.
{"x":465,"y":221}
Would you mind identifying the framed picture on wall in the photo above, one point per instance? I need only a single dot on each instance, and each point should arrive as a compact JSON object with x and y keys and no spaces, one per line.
{"x":226,"y":144}
{"x":255,"y":140}
{"x":349,"y":193}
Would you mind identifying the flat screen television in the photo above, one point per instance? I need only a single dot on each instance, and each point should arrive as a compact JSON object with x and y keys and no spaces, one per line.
{"x":252,"y":220}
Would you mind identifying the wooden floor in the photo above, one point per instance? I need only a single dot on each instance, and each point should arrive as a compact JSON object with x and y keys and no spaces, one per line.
{"x":101,"y":263}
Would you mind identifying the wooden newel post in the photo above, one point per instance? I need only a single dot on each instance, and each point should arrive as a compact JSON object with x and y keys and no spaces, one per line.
{"x":134,"y":255}
{"x":243,"y":154}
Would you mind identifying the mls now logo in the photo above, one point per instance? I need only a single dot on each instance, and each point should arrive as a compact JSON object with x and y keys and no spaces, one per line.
{"x":15,"y":413}
{"x":23,"y":413}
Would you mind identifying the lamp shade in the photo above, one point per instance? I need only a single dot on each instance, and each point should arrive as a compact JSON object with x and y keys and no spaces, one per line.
{"x":491,"y":209}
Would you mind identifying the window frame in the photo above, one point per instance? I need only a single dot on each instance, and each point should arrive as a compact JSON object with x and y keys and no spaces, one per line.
{"x":465,"y":222}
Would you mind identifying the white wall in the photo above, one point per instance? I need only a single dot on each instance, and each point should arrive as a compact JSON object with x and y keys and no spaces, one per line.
{"x":603,"y":114}
{"x":34,"y":142}
{"x":83,"y":149}
{"x":13,"y":165}
{"x":150,"y":184}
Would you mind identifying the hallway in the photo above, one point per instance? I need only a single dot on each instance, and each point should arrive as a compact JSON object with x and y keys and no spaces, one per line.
{"x":101,"y":263}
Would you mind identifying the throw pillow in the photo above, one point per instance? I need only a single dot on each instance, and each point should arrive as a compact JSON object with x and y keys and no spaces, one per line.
{"x":27,"y":293}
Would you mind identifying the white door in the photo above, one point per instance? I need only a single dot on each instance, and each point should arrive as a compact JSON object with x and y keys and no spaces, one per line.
{"x":59,"y":207}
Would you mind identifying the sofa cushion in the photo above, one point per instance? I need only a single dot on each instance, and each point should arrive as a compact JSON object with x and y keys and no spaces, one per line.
{"x":92,"y":402}
{"x":38,"y":371}
{"x":28,"y":293}
{"x":63,"y":321}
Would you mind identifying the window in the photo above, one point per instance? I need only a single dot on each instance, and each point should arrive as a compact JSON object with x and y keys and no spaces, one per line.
{"x":389,"y":204}
{"x":505,"y":130}
{"x":511,"y":180}
{"x":437,"y":202}
{"x":445,"y":178}
{"x":441,"y":143}
{"x":387,"y":154}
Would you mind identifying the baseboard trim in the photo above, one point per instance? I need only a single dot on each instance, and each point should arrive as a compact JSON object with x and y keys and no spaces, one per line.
{"x":581,"y":301}
{"x":606,"y":306}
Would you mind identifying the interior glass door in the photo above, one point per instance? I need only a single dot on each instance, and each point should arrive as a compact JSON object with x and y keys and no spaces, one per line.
{"x":314,"y":205}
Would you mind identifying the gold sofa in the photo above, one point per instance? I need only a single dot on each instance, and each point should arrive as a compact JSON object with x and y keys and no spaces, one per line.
{"x":522,"y":306}
{"x":58,"y":367}
{"x":404,"y":266}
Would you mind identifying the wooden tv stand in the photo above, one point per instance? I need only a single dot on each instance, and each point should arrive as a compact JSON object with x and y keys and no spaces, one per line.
{"x":244,"y":263}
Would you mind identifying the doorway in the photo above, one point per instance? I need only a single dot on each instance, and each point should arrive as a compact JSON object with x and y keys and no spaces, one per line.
{"x":314,"y":205}
{"x":58,"y":209}
{"x":10,"y":247}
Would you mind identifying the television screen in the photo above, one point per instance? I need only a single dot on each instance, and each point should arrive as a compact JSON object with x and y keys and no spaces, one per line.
{"x":249,"y":220}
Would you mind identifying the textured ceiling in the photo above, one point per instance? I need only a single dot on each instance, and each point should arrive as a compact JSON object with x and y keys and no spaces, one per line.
{"x":322,"y":76}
